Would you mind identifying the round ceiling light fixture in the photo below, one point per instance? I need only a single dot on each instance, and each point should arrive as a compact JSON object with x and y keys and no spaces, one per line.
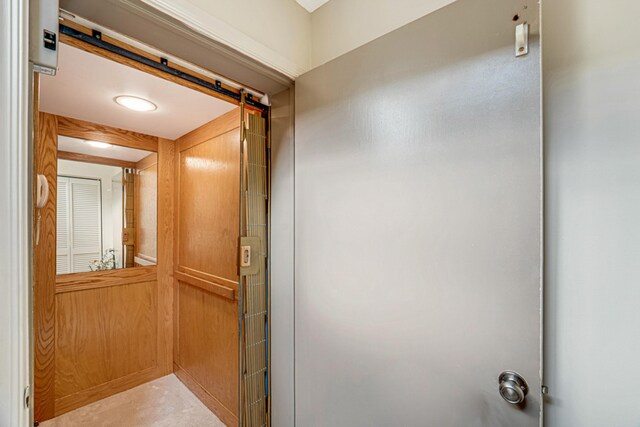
{"x":98,"y":144}
{"x":135,"y":103}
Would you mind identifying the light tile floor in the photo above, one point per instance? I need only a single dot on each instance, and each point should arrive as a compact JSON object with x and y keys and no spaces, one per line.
{"x":165,"y":402}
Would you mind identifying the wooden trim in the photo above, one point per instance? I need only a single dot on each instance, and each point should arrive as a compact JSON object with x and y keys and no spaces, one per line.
{"x":147,"y":162}
{"x":211,"y":287}
{"x":146,"y":68}
{"x":176,"y":241}
{"x":88,"y":158}
{"x":93,"y":394}
{"x":147,"y":258}
{"x":75,"y":128}
{"x":221,"y":125}
{"x":233,"y":284}
{"x":166,"y":166}
{"x":44,"y":264}
{"x":221,"y":411}
{"x":102,"y":279}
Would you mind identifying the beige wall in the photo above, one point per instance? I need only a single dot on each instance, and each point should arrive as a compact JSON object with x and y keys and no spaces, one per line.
{"x":340,"y":26}
{"x":592,"y":140}
{"x":283,"y":35}
{"x":274,"y":32}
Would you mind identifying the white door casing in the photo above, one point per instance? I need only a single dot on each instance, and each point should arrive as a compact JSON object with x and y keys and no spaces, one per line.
{"x":15,"y":214}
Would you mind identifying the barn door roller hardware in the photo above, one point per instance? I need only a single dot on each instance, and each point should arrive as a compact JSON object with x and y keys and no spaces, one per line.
{"x":96,"y":40}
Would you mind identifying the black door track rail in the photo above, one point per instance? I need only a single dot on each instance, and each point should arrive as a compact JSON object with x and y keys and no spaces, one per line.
{"x":96,"y":40}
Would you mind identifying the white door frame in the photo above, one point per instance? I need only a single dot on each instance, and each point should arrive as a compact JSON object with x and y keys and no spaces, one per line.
{"x":15,"y":214}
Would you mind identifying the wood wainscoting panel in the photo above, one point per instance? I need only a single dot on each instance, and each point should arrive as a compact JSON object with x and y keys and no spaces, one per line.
{"x":208,"y":332}
{"x":45,"y":163}
{"x":102,"y":335}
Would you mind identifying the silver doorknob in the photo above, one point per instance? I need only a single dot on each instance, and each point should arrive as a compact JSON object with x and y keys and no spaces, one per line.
{"x":513,"y":388}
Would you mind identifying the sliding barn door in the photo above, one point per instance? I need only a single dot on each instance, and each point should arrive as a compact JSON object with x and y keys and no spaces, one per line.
{"x":418,"y":203}
{"x":206,"y":265}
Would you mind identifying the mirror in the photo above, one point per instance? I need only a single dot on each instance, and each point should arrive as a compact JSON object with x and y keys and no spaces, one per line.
{"x":106,"y":206}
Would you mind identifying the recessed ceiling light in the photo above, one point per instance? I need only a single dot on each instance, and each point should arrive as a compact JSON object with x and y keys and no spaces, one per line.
{"x":98,"y":144}
{"x":134,"y":103}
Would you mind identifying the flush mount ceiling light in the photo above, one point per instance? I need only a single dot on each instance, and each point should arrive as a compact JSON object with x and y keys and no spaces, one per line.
{"x":98,"y":144}
{"x":134,"y":103}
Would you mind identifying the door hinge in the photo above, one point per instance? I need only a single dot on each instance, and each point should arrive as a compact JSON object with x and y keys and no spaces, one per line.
{"x":544,"y":389}
{"x":522,"y":39}
{"x":27,"y":396}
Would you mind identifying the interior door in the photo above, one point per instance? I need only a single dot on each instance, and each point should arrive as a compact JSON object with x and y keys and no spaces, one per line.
{"x":418,"y":225}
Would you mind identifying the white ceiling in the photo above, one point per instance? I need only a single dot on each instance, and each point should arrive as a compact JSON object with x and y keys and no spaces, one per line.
{"x":86,"y":84}
{"x":76,"y":145}
{"x":311,"y":5}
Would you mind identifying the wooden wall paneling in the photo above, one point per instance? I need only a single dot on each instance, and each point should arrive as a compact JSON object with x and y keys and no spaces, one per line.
{"x":209,"y":348}
{"x":99,"y":333}
{"x":78,"y":157}
{"x":209,"y":206}
{"x":146,"y":211}
{"x":102,"y":335}
{"x":205,"y":262}
{"x":45,"y":151}
{"x":145,"y":347}
{"x":165,"y":221}
{"x":86,"y":130}
{"x":221,"y":125}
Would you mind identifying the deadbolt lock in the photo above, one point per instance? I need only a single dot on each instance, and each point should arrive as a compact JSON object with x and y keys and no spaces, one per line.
{"x":512,"y":387}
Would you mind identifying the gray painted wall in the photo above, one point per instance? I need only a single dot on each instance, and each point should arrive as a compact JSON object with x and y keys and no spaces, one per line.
{"x":592,"y":141}
{"x":417,"y":225}
{"x":282,"y":289}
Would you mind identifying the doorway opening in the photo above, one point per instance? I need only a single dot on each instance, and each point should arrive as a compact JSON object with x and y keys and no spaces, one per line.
{"x":150,"y":251}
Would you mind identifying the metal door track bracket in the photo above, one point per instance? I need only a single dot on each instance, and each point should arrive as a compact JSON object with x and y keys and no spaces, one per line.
{"x":522,"y":39}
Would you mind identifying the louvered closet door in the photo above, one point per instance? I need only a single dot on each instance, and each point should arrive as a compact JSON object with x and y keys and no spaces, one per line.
{"x":63,"y":257}
{"x":79,"y":216}
{"x":86,"y":223}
